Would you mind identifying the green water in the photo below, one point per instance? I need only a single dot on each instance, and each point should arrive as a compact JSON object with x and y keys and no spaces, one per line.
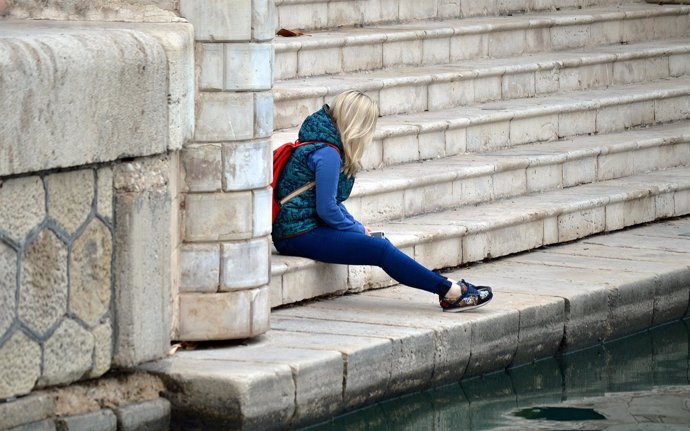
{"x":658,"y":357}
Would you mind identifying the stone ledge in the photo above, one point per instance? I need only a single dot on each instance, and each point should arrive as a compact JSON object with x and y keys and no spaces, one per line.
{"x":565,"y":297}
{"x":76,"y":93}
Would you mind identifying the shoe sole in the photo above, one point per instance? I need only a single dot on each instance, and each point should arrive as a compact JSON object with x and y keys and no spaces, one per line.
{"x":471,"y":307}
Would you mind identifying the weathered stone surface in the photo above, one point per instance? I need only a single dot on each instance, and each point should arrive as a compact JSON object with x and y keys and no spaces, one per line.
{"x":21,"y":359}
{"x":70,"y":198}
{"x":586,"y":298}
{"x":494,"y":341}
{"x":410,"y":346}
{"x":298,"y":285}
{"x":210,"y":60}
{"x":263,"y":207}
{"x":205,"y":387}
{"x":43,"y":284}
{"x":452,"y":333}
{"x":45,"y":425}
{"x":142,"y":267}
{"x":263,"y":114}
{"x":245,"y":264}
{"x":200,"y":268}
{"x":151,"y":415}
{"x":249,"y":66}
{"x":22,"y":206}
{"x":368,"y":360}
{"x":101,"y":420}
{"x":104,"y":188}
{"x":222,"y":316}
{"x":218,"y":216}
{"x":224,"y":116}
{"x":142,"y":175}
{"x":8,"y":286}
{"x":102,"y":349}
{"x":67,"y":355}
{"x":218,"y":20}
{"x":263,"y":20}
{"x":24,"y":410}
{"x":76,"y":77}
{"x":246,"y":165}
{"x":202,"y":166}
{"x":116,"y":10}
{"x":317,"y":374}
{"x":90,"y":272}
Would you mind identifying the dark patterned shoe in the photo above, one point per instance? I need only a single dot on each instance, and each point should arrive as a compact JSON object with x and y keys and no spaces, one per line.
{"x":473,"y":297}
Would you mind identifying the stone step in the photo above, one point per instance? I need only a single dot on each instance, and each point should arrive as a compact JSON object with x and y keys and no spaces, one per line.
{"x":326,"y":357}
{"x":447,"y":41}
{"x":406,"y":90}
{"x":412,"y":189}
{"x":496,"y":125}
{"x":316,"y":14}
{"x":473,"y":233}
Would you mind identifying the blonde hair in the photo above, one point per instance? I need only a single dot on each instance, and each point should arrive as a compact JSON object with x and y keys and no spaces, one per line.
{"x":355,"y":115}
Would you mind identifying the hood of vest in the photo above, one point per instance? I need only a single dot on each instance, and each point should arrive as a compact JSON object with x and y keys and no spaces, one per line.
{"x":319,"y":126}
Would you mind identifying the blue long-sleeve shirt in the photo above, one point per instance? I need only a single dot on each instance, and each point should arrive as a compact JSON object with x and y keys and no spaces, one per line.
{"x":326,"y":164}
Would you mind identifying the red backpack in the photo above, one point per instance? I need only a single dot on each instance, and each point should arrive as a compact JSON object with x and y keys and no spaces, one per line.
{"x":281,"y":155}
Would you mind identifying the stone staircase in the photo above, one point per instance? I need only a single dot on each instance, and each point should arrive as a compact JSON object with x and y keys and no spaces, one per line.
{"x":506,"y":125}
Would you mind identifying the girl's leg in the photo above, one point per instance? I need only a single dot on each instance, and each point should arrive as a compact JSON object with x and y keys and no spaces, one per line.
{"x":350,"y":248}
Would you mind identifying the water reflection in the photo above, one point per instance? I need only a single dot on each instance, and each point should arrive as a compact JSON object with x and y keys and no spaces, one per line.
{"x":658,"y":357}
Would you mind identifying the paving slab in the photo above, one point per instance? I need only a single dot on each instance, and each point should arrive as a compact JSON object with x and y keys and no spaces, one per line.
{"x":411,"y":346}
{"x":452,"y":340}
{"x":318,"y":375}
{"x":218,"y":394}
{"x":368,"y":361}
{"x":540,"y":324}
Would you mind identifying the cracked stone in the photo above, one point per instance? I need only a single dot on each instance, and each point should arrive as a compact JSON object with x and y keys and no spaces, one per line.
{"x":43,"y":283}
{"x":8,"y":286}
{"x":67,"y":355}
{"x":21,"y":365}
{"x":22,"y":206}
{"x":90,"y":263}
{"x":70,"y":198}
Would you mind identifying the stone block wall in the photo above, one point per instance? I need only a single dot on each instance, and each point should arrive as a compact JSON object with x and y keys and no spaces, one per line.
{"x":89,"y":201}
{"x":225,"y":173}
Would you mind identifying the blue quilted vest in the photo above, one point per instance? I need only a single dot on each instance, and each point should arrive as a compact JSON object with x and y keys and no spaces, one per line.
{"x":299,"y":214}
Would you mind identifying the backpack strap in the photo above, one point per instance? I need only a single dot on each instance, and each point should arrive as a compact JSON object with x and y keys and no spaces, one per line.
{"x":311,"y":184}
{"x":301,"y":144}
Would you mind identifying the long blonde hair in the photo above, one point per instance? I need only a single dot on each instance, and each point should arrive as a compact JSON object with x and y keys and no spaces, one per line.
{"x":355,"y":115}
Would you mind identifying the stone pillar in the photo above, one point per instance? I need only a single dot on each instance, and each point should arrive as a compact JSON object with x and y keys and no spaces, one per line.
{"x":225,"y":255}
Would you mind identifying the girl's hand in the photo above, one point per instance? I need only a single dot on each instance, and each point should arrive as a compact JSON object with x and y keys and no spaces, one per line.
{"x":367,"y":231}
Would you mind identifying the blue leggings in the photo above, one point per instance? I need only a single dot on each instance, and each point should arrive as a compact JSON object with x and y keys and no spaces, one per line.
{"x":351,"y":248}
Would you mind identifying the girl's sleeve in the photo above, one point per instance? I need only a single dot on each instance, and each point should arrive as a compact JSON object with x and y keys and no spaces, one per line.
{"x":326,"y":164}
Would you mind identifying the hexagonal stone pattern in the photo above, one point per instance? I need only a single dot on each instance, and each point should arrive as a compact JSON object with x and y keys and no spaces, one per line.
{"x":67,"y":355}
{"x":21,"y":365}
{"x":22,"y":206}
{"x":8,"y":286}
{"x":70,"y":198}
{"x":90,"y":263}
{"x":43,"y":282}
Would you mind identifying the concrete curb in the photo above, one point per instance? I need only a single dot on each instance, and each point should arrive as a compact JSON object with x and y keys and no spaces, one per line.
{"x":326,"y":357}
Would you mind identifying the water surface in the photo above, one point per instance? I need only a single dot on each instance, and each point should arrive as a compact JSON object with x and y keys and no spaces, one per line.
{"x":651,"y":359}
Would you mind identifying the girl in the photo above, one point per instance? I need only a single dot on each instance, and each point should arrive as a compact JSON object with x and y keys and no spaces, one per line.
{"x":315,"y":224}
